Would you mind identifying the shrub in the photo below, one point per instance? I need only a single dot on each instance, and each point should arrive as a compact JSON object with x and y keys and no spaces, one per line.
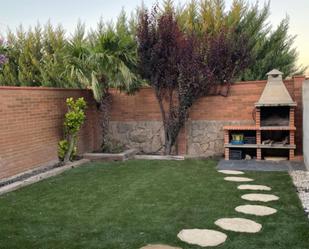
{"x":113,"y":146}
{"x":63,"y":147}
{"x":74,"y":119}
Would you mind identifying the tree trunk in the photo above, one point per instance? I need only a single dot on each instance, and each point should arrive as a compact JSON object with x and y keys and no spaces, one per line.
{"x":168,"y":147}
{"x":104,"y":109}
{"x":168,"y":143}
{"x":71,"y":141}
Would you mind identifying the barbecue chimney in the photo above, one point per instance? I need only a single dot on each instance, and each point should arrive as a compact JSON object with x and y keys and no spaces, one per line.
{"x":275,"y":92}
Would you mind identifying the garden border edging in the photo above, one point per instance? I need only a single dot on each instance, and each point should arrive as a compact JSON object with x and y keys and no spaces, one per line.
{"x":33,"y":179}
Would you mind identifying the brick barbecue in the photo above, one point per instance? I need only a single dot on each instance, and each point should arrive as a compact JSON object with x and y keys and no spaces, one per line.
{"x":274,"y":128}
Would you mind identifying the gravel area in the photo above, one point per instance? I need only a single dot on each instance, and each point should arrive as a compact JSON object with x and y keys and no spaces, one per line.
{"x":27,"y":175}
{"x":301,"y":182}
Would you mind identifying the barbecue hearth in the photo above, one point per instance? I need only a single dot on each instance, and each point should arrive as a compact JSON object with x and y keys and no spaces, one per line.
{"x":275,"y":116}
{"x":274,"y":124}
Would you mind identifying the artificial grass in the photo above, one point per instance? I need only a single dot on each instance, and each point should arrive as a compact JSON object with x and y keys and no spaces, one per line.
{"x":127,"y":205}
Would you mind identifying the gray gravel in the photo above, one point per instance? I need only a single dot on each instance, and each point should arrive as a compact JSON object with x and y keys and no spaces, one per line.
{"x":301,"y":182}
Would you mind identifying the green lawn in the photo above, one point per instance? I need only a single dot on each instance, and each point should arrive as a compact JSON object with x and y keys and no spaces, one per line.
{"x":128,"y":205}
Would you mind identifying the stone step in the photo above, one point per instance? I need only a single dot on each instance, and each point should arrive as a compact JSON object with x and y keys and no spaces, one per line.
{"x":128,"y":154}
{"x":158,"y":157}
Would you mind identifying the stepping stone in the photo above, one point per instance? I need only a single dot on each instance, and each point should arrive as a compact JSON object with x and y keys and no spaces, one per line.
{"x":159,"y":247}
{"x":231,"y":172}
{"x":260,"y":197}
{"x":253,"y":187}
{"x":256,"y":210}
{"x":202,"y":237}
{"x":238,"y":179}
{"x":239,"y":225}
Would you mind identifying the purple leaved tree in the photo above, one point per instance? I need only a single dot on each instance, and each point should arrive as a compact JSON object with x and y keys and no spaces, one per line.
{"x":182,"y":67}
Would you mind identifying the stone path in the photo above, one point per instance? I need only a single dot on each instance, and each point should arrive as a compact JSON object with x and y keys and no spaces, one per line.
{"x":202,"y":237}
{"x":159,"y":247}
{"x":255,"y":210}
{"x":231,"y":172}
{"x":246,"y":225}
{"x":253,"y":187}
{"x":210,"y":238}
{"x":238,"y":179}
{"x":239,"y":225}
{"x":260,"y":197}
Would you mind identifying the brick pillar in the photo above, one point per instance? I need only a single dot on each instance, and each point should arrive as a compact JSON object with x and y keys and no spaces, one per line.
{"x":298,"y":85}
{"x":226,"y":141}
{"x":227,"y":154}
{"x":258,"y":137}
{"x":226,"y":137}
{"x":258,"y":117}
{"x":292,"y":117}
{"x":292,"y":155}
{"x":258,"y":142}
{"x":258,"y":132}
{"x":258,"y":154}
{"x":292,"y":137}
{"x":292,"y":133}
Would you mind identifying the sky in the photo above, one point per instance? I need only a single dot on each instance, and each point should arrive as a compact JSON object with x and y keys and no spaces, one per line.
{"x":68,"y":12}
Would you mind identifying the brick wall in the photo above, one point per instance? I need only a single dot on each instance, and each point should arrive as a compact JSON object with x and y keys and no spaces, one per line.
{"x":238,"y":106}
{"x":31,"y":125}
{"x":31,"y":121}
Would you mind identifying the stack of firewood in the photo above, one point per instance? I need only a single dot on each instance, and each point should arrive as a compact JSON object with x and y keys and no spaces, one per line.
{"x":271,"y":142}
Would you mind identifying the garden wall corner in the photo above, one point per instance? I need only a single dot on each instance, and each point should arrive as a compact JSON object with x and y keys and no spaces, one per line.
{"x":31,"y":125}
{"x":306,"y":122}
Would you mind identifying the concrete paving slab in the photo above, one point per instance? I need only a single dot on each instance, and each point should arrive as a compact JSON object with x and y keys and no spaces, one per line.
{"x":239,"y":225}
{"x":260,"y":197}
{"x":238,"y":179}
{"x":231,"y":172}
{"x":253,"y":187}
{"x":257,"y":210}
{"x":159,"y":247}
{"x":202,"y":237}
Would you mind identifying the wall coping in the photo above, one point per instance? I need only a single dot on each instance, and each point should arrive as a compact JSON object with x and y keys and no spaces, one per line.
{"x":113,"y":89}
{"x":233,"y":83}
{"x":299,"y":76}
{"x":41,"y":88}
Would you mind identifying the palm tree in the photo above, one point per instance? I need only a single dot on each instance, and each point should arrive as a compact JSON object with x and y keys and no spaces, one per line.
{"x":105,"y":59}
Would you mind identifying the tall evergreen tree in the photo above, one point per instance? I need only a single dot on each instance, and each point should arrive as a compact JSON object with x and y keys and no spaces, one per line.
{"x":54,"y":53}
{"x":30,"y":56}
{"x":44,"y":56}
{"x":270,"y":47}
